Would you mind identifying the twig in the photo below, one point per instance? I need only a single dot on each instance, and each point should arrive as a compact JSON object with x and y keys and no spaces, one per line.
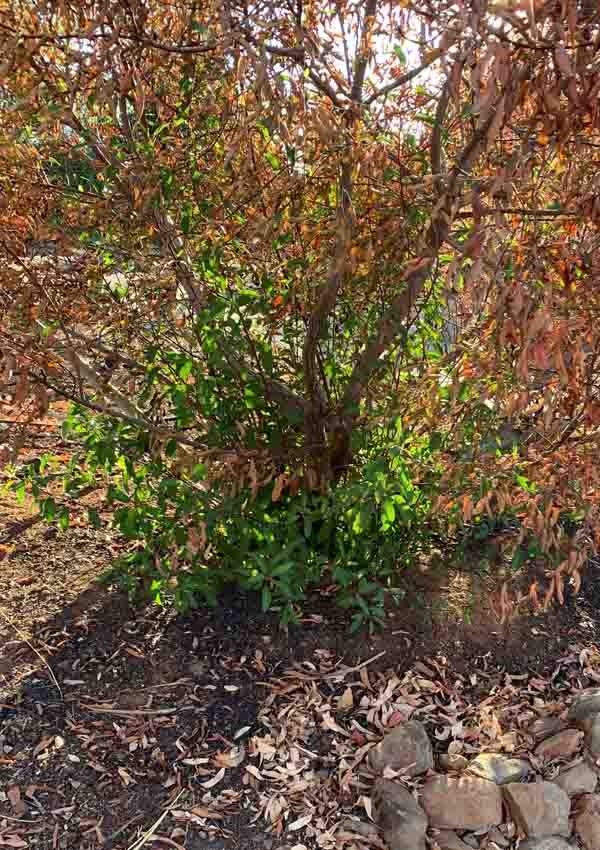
{"x":358,"y":667}
{"x":405,"y":78}
{"x":18,"y":820}
{"x":436,"y":138}
{"x":168,"y":841}
{"x":29,"y":424}
{"x":183,"y":681}
{"x":122,"y":829}
{"x":340,"y":673}
{"x":137,"y":845}
{"x":126,"y":712}
{"x":26,"y":640}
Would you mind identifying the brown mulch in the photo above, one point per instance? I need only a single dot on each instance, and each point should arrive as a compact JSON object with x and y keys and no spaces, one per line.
{"x":246,"y":737}
{"x":241,"y":735}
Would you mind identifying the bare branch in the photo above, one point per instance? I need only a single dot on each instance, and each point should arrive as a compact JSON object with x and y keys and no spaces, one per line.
{"x":104,"y":388}
{"x":324,"y":87}
{"x":436,"y":138}
{"x":395,"y":319}
{"x":344,"y":42}
{"x":362,"y":58}
{"x":404,"y":79}
{"x":329,"y":292}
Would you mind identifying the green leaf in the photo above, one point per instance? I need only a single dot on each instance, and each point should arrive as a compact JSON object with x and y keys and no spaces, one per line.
{"x":464,"y":392}
{"x":400,"y":54}
{"x":48,"y":508}
{"x":266,"y":597}
{"x":357,"y":622}
{"x":94,"y":518}
{"x":185,"y":370}
{"x":525,"y":484}
{"x":389,"y":511}
{"x":116,"y":494}
{"x":63,"y":518}
{"x":518,"y":559}
{"x":272,"y":160}
{"x":45,"y":461}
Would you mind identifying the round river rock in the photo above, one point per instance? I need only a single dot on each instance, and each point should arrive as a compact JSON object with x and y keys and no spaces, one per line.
{"x":403,"y":820}
{"x":406,"y":748}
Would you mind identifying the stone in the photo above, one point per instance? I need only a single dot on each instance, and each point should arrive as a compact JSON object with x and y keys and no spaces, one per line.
{"x":497,"y":838}
{"x":586,"y":704}
{"x":576,"y":780}
{"x":453,"y":761}
{"x":498,"y":768}
{"x":472,"y":841}
{"x":592,"y":737}
{"x":406,"y":748}
{"x":543,"y":727}
{"x":587,"y":821}
{"x":355,"y":827}
{"x":465,"y":802}
{"x":402,"y":819}
{"x":552,"y":843}
{"x":539,"y":809}
{"x":562,"y":745}
{"x":449,"y":840}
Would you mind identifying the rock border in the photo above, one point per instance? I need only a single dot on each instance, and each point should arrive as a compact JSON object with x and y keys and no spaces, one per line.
{"x":495,"y":801}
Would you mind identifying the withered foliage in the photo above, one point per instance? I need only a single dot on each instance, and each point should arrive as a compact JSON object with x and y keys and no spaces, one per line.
{"x":349,"y":164}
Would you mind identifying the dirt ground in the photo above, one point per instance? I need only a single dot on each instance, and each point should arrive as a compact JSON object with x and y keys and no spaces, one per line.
{"x":110,"y":716}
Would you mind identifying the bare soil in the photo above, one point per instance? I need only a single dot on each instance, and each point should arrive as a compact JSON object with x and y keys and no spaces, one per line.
{"x":104,"y":708}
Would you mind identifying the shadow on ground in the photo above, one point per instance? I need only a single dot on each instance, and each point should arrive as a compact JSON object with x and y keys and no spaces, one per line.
{"x":141,"y":703}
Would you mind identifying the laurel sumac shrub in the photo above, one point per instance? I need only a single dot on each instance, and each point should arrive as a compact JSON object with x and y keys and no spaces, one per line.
{"x":322,"y":287}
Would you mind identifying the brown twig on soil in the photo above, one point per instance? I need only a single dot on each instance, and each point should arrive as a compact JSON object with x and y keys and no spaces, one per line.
{"x":346,"y":670}
{"x":137,"y":845}
{"x":127,"y":712}
{"x":340,"y":673}
{"x":24,"y":638}
{"x":162,"y":839}
{"x":122,"y":829}
{"x":18,"y":820}
{"x":177,"y":682}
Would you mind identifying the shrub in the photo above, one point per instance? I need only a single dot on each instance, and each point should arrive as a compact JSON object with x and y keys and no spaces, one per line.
{"x":187,"y":537}
{"x":276,"y":229}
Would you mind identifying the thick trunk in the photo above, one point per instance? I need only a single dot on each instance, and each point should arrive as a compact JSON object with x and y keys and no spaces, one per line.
{"x":328,"y":446}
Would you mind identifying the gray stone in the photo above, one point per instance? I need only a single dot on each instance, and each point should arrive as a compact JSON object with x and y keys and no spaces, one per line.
{"x":579,"y":779}
{"x":465,"y":802}
{"x":539,"y":809}
{"x":552,"y":843}
{"x":498,"y":768}
{"x":592,"y":737}
{"x":355,"y":827}
{"x":406,"y":748}
{"x":563,"y":745}
{"x":586,"y":704}
{"x":402,"y":819}
{"x":449,"y":840}
{"x":497,"y":838}
{"x":472,"y":841}
{"x":587,"y":821}
{"x":452,"y":761}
